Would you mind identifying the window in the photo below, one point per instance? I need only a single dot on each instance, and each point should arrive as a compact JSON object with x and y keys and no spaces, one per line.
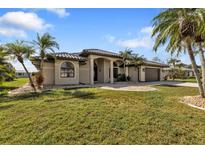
{"x":67,"y":70}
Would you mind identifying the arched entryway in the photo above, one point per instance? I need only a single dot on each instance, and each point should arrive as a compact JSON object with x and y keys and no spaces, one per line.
{"x":102,"y":68}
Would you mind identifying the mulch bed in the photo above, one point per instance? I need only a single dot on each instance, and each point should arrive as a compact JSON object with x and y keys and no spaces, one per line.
{"x":194,"y":101}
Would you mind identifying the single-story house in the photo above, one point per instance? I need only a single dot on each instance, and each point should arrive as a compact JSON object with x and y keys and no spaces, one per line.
{"x":94,"y":66}
{"x":21,"y":74}
{"x":187,"y":69}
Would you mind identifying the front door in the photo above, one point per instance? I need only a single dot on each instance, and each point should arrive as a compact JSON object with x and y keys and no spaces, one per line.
{"x":95,"y":72}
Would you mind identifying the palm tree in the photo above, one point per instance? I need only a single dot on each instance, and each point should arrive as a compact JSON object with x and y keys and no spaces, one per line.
{"x":199,"y":40}
{"x":173,"y":62}
{"x":45,"y":44}
{"x":126,"y":54}
{"x":3,"y":69}
{"x":20,"y":51}
{"x":177,"y":28}
{"x":137,"y":59}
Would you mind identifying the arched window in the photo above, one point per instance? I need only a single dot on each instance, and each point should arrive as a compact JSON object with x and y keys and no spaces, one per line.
{"x":67,"y":70}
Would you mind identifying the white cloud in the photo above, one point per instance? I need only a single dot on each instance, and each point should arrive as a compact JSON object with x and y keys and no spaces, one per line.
{"x":24,"y":20}
{"x":110,"y":38}
{"x":143,"y":39}
{"x":144,"y":42}
{"x":12,"y":32}
{"x":59,"y":11}
{"x":146,"y":30}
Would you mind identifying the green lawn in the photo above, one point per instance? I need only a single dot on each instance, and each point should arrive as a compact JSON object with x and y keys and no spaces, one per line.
{"x":6,"y":86}
{"x":96,"y":116}
{"x":192,"y":80}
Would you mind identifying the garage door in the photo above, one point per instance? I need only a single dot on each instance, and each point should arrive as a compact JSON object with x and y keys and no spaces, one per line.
{"x":152,"y":74}
{"x":133,"y":73}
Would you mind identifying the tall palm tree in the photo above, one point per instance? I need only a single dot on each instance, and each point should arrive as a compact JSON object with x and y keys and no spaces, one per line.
{"x":173,"y":62}
{"x":137,"y":59}
{"x":177,"y":28}
{"x":126,"y":54}
{"x":20,"y":51}
{"x":200,"y":39}
{"x":45,"y":44}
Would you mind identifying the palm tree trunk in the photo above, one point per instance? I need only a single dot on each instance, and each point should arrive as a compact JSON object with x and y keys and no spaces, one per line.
{"x":41,"y":70}
{"x":125,"y":70}
{"x":195,"y":69}
{"x":201,"y":54}
{"x":173,"y":75}
{"x":29,"y":76}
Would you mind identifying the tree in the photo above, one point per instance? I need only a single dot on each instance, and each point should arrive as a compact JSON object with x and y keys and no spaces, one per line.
{"x":173,"y":62}
{"x":199,"y":20}
{"x":20,"y":51}
{"x":45,"y":44}
{"x":126,"y":55}
{"x":7,"y":71}
{"x":137,"y":59}
{"x":177,"y":28}
{"x":3,"y":69}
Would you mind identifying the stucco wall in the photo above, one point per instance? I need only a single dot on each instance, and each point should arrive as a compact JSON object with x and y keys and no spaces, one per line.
{"x":66,"y":81}
{"x":133,"y":73}
{"x":48,"y":73}
{"x":106,"y":70}
{"x":84,"y":73}
{"x":100,"y":65}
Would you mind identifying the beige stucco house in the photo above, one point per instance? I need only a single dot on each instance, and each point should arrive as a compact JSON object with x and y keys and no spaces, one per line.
{"x":95,"y":66}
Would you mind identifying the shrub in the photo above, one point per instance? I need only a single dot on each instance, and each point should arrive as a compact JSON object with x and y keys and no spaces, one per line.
{"x":122,"y":77}
{"x":39,"y":80}
{"x":128,"y":78}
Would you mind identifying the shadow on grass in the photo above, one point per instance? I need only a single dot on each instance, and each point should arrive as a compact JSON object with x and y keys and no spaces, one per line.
{"x":167,"y":85}
{"x":7,"y":88}
{"x":5,"y":107}
{"x":80,"y":94}
{"x":27,"y":96}
{"x":5,"y":98}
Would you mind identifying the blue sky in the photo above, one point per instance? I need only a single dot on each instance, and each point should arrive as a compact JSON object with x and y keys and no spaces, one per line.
{"x":77,"y":29}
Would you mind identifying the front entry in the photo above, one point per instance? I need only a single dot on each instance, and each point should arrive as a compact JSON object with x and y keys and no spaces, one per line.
{"x":95,"y":72}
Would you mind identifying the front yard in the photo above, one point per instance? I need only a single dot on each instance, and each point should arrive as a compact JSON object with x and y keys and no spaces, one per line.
{"x":192,"y":80}
{"x":7,"y":86}
{"x":97,"y":116}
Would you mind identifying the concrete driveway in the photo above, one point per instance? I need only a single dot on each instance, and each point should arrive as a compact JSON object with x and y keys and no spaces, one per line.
{"x":142,"y":86}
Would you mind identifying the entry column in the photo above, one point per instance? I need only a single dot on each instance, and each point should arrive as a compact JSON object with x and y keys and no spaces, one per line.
{"x":111,"y":72}
{"x":91,"y":71}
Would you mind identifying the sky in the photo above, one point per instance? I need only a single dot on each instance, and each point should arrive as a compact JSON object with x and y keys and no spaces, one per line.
{"x":77,"y":29}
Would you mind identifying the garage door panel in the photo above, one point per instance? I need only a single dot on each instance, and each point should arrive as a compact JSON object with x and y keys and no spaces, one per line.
{"x":152,"y":74}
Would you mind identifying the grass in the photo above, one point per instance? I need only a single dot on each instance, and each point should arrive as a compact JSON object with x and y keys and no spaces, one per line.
{"x":192,"y":80}
{"x":10,"y":85}
{"x":96,"y":116}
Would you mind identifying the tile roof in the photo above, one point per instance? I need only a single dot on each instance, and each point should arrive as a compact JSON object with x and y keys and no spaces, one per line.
{"x":153,"y":63}
{"x":74,"y":56}
{"x":82,"y":56}
{"x":86,"y":52}
{"x":64,"y":55}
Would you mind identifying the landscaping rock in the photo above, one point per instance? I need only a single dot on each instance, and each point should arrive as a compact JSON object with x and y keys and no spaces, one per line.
{"x":195,"y":101}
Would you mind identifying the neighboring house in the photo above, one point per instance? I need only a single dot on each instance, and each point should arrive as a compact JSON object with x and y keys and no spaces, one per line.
{"x":94,"y":66}
{"x":21,"y":74}
{"x":188,"y":72}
